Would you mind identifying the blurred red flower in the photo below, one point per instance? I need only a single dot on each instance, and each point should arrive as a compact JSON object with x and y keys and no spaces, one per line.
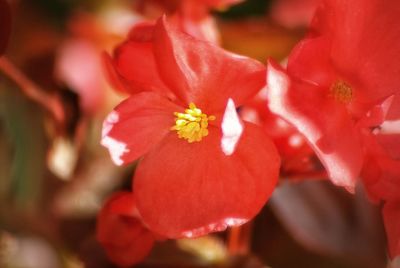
{"x":338,"y":79}
{"x":203,"y":169}
{"x":120,"y":230}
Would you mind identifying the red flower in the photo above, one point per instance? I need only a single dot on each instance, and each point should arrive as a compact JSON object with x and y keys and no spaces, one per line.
{"x":338,"y":79}
{"x":120,"y":230}
{"x":202,"y":168}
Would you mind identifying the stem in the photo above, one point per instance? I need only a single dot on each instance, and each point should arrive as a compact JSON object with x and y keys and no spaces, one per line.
{"x":239,"y":239}
{"x":32,"y":90}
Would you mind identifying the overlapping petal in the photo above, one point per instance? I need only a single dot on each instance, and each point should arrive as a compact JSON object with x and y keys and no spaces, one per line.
{"x":188,"y":190}
{"x":325,"y":124}
{"x":202,"y":73}
{"x":136,"y":125}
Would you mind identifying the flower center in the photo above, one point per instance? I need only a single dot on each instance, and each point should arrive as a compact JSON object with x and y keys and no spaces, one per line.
{"x":192,"y":124}
{"x":341,"y":91}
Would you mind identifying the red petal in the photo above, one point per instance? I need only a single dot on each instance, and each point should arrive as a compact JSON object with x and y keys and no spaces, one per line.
{"x":114,"y":78}
{"x":202,"y":73}
{"x":5,"y":25}
{"x":192,"y":189}
{"x":324,"y":123}
{"x":381,"y":170}
{"x":120,"y":231}
{"x":391,"y":144}
{"x":391,"y":217}
{"x":135,"y":63}
{"x":365,"y":43}
{"x":309,"y":61}
{"x":136,"y":125}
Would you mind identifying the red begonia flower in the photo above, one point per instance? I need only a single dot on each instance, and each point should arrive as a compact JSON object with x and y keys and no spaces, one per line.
{"x":391,"y":218}
{"x":338,"y":79}
{"x":202,"y":168}
{"x":120,"y":230}
{"x":5,"y":25}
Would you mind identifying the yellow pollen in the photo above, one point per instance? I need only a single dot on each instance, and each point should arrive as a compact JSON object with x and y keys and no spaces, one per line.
{"x":341,"y":91}
{"x":192,"y":124}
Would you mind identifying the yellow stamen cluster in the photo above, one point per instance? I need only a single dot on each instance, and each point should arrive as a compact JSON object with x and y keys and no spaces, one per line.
{"x":192,"y":124}
{"x":341,"y":91}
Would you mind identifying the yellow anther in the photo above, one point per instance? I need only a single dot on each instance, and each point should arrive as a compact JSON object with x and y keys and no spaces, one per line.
{"x":192,"y":124}
{"x":341,"y":91}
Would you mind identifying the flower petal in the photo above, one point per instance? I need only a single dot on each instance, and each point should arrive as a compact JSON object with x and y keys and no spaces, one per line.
{"x":114,"y":78}
{"x":202,"y":73}
{"x":324,"y":123}
{"x":309,"y":61}
{"x":135,"y":62}
{"x":188,"y":190}
{"x":136,"y":125}
{"x":381,"y":169}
